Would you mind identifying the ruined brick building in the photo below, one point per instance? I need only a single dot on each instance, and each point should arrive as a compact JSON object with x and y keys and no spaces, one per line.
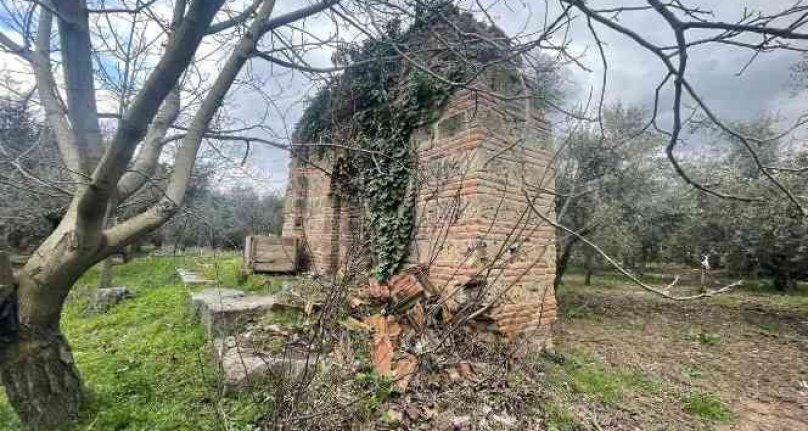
{"x":476,"y":166}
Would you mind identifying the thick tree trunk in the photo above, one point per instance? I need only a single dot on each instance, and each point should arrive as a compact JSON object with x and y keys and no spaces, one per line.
{"x":41,"y":379}
{"x":36,"y":366}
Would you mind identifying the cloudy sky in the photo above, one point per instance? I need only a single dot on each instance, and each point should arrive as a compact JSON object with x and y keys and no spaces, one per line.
{"x":762,"y":89}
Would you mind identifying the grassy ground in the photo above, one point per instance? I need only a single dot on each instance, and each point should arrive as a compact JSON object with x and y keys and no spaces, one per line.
{"x":624,"y":360}
{"x":146,"y":362}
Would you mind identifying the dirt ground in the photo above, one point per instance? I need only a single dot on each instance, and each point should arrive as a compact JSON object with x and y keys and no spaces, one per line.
{"x":751,"y":350}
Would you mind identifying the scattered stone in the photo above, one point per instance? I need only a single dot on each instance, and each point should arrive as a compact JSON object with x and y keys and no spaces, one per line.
{"x":405,"y":368}
{"x":356,"y":302}
{"x":101,"y":300}
{"x":243,"y":366}
{"x":190,"y":277}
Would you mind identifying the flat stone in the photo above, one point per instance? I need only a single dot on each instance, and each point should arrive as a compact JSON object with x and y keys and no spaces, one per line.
{"x":226,"y":311}
{"x":190,"y":277}
{"x":101,"y":300}
{"x":242,"y":366}
{"x":211,"y":296}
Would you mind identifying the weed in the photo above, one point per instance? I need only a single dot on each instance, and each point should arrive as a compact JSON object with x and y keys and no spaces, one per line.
{"x":376,"y":389}
{"x":703,"y":337}
{"x":595,"y":380}
{"x":576,"y":311}
{"x":559,"y":417}
{"x":692,"y":372}
{"x":707,"y":406}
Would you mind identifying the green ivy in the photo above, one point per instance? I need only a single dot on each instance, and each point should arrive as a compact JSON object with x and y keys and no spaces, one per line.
{"x":384,"y":100}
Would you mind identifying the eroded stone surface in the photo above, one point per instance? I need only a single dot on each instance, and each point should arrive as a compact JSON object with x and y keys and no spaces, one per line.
{"x":227,"y":311}
{"x":243,"y":365}
{"x":210,"y":296}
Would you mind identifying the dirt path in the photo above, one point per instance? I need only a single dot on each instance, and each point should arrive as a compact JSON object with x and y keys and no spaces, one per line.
{"x":751,"y":352}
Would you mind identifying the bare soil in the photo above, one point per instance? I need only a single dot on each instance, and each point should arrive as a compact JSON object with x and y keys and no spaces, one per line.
{"x":751,"y":350}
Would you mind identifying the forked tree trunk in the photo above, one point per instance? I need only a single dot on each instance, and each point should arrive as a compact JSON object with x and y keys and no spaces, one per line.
{"x":41,"y":379}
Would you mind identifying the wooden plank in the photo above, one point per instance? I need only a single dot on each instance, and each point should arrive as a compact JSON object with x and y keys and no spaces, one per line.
{"x":270,"y":254}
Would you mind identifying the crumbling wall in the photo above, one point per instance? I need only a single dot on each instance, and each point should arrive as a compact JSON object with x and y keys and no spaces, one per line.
{"x":320,"y":211}
{"x":475,"y":231}
{"x":474,"y":228}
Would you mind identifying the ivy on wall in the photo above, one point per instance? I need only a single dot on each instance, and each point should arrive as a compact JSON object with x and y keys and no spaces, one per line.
{"x":376,"y":107}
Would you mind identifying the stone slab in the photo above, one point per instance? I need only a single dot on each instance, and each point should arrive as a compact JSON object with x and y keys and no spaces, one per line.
{"x":212,"y":295}
{"x":227,"y":311}
{"x":101,"y":300}
{"x":190,"y":277}
{"x":243,"y":366}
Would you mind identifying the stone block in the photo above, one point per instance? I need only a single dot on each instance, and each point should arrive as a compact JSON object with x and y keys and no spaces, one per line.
{"x":200,"y":299}
{"x":191,"y":277}
{"x":228,"y":314}
{"x":243,"y":366}
{"x":101,"y":300}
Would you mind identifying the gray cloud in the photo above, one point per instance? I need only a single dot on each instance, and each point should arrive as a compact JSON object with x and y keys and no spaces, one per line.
{"x":633,"y":73}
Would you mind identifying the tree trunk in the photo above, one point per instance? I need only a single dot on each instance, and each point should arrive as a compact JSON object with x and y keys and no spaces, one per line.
{"x":562,"y":262}
{"x":783,"y":282}
{"x":588,"y":267}
{"x":41,"y":379}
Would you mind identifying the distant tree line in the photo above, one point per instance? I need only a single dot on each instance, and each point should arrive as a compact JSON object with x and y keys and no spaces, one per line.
{"x":34,"y":196}
{"x":615,"y":188}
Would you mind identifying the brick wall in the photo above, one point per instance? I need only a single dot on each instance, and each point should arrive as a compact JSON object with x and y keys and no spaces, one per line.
{"x":473,"y":223}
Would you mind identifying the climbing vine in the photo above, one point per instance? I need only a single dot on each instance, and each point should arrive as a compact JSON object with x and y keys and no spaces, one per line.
{"x":376,"y":107}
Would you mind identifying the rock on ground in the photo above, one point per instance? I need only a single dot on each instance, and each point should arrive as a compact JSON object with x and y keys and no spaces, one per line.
{"x":226,"y":312}
{"x":244,"y":365}
{"x":101,"y":300}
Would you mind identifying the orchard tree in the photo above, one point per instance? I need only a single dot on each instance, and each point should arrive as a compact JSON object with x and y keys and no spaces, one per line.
{"x":604,"y":176}
{"x":37,"y":367}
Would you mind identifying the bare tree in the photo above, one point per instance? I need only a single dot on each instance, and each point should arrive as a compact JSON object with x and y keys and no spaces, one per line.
{"x":38,"y":371}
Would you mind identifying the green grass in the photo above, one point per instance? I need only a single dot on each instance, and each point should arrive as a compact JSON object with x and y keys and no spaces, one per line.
{"x":702,"y":336}
{"x":560,"y":417}
{"x":707,"y":406}
{"x":582,"y":374}
{"x":227,"y":269}
{"x":146,"y":362}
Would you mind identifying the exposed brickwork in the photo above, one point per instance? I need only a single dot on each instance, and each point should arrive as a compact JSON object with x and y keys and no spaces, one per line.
{"x":474,"y":226}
